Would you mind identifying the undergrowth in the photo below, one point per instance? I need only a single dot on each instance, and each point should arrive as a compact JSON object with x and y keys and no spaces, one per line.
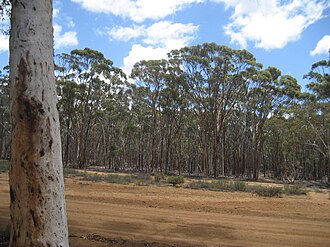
{"x":144,"y":179}
{"x":175,"y":180}
{"x":294,"y":190}
{"x":266,"y":191}
{"x":220,"y":185}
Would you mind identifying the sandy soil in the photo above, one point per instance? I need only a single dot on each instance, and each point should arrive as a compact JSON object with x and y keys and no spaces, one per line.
{"x":102,"y":214}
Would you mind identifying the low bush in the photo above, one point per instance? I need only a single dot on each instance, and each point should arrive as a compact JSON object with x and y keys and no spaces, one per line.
{"x":220,"y":185}
{"x":175,"y":180}
{"x":223,"y":185}
{"x":295,"y":190}
{"x":117,"y":179}
{"x":92,"y":177}
{"x":199,"y":185}
{"x":239,"y":186}
{"x":266,"y":191}
{"x":159,"y":177}
{"x":72,"y":172}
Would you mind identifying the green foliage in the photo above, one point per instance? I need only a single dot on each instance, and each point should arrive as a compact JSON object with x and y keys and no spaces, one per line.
{"x":181,"y":110}
{"x":159,"y":177}
{"x":320,"y":80}
{"x":295,"y":190}
{"x":175,"y":180}
{"x":140,"y":179}
{"x":266,"y":191}
{"x":219,"y":185}
{"x":72,"y":172}
{"x":118,"y":179}
{"x":93,"y":177}
{"x":223,"y":185}
{"x":199,"y":185}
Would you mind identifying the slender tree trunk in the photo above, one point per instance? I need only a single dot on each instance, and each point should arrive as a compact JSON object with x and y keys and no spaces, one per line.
{"x":38,"y":216}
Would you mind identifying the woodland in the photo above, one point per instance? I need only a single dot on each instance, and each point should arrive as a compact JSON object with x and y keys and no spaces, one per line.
{"x":206,"y":110}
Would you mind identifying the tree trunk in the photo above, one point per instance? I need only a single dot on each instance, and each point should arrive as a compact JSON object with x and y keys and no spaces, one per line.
{"x":38,"y":216}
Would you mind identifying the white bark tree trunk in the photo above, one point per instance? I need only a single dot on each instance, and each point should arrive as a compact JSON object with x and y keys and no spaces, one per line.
{"x":38,"y":213}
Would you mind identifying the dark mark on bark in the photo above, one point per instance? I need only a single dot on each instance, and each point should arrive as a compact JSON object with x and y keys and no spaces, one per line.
{"x":42,"y":153}
{"x":12,"y":195}
{"x":50,"y":143}
{"x":31,"y":189}
{"x":23,"y":72}
{"x":34,"y":218}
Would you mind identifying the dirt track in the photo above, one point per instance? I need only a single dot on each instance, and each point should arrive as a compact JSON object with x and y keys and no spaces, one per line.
{"x":130,"y":215}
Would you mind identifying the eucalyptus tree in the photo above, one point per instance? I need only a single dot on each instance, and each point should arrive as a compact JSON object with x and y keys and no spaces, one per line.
{"x":174,"y":104}
{"x":152,"y":75}
{"x":268,"y":93}
{"x":94,"y":79}
{"x":319,"y":122}
{"x":37,"y":208}
{"x":140,"y":115}
{"x":217,"y":77}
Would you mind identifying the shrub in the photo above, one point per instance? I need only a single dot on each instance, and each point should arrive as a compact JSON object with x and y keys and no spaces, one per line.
{"x":72,"y":172}
{"x":223,"y":185}
{"x":143,"y":179}
{"x":117,"y":179}
{"x":159,"y":177}
{"x":266,"y":191}
{"x":295,"y":190}
{"x":239,"y":186}
{"x":175,"y":180}
{"x":199,"y":185}
{"x":220,"y":185}
{"x":92,"y":177}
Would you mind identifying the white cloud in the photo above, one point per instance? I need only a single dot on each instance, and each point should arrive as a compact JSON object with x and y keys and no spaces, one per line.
{"x":56,"y":12}
{"x":139,"y":52}
{"x":322,"y":47}
{"x":156,"y":40}
{"x":126,"y":33}
{"x":64,"y":39}
{"x":171,"y":35}
{"x":4,"y":43}
{"x":271,"y":24}
{"x":137,"y":10}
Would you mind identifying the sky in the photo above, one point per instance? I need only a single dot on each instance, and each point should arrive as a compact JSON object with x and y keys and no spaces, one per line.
{"x":288,"y":34}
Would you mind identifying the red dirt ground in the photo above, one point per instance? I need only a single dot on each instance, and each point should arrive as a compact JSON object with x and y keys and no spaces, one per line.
{"x":102,"y":214}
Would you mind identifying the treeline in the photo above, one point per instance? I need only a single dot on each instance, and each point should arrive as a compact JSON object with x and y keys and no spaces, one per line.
{"x":206,"y":110}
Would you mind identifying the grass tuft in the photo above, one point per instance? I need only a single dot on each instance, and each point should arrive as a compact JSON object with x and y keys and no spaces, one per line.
{"x":72,"y":172}
{"x":219,"y":185}
{"x":266,"y":191}
{"x":175,"y":180}
{"x":295,"y":190}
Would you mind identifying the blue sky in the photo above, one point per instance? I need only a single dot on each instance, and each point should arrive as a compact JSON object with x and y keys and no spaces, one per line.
{"x":288,"y":34}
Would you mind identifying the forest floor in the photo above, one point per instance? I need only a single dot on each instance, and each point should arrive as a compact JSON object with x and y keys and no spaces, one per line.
{"x":104,"y":214}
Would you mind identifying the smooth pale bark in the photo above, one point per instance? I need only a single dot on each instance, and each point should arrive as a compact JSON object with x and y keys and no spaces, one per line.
{"x":38,"y":214}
